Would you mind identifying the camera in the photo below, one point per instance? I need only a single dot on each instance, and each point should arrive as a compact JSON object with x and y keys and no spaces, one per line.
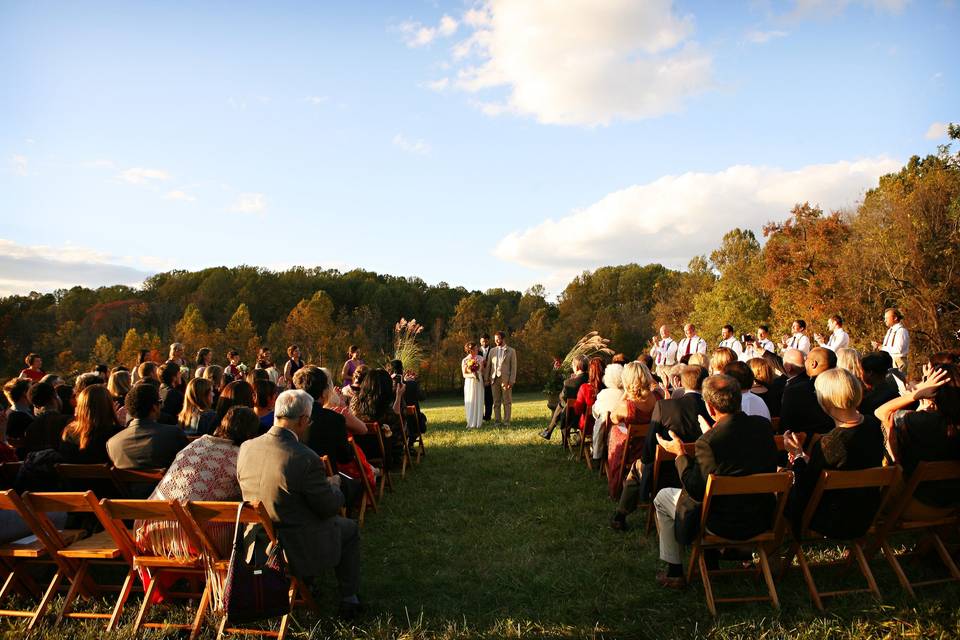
{"x":397,"y":378}
{"x":747,"y":339}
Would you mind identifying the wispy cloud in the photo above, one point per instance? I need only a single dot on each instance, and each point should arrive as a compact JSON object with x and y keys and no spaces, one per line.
{"x":415,"y":34}
{"x":936,"y":131}
{"x":411,"y":145}
{"x":250,"y":203}
{"x":762,"y":37}
{"x":139,"y":175}
{"x":179,"y":195}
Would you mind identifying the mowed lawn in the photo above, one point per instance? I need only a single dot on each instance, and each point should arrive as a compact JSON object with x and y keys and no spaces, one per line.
{"x":498,"y":534}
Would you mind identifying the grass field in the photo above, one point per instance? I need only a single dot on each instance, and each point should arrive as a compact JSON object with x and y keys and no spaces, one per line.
{"x":497,"y":534}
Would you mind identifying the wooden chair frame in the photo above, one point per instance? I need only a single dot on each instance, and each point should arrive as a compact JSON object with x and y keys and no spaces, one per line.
{"x":894,"y":523}
{"x":660,"y":458}
{"x":635,"y":431}
{"x":586,"y":442}
{"x":204,"y":513}
{"x":569,"y":416}
{"x":761,"y":483}
{"x":411,"y":412}
{"x":881,"y":478}
{"x":328,"y":469}
{"x":385,"y":480}
{"x":369,"y":497}
{"x":115,"y":513}
{"x":605,"y":438}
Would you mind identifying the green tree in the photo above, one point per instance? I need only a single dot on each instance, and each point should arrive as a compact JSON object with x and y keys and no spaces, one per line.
{"x":103,"y":351}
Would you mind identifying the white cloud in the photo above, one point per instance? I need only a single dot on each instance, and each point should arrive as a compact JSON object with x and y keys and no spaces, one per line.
{"x":250,"y":203}
{"x":138,"y":175}
{"x":581,"y":62}
{"x":676,"y":217}
{"x":43,"y":268}
{"x":317,"y":100}
{"x":179,"y":195}
{"x":936,"y":131}
{"x":762,"y":37}
{"x":411,"y":145}
{"x":414,"y":34}
{"x":20,"y":165}
{"x":438,"y":85}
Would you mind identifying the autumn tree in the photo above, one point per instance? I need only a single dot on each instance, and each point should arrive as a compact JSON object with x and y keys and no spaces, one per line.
{"x":192,"y":331}
{"x":310,"y":325}
{"x":103,"y":352}
{"x":240,"y":334}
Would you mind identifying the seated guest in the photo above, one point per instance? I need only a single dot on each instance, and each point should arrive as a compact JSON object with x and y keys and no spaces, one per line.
{"x":587,"y":394}
{"x":214,"y":373}
{"x":750,"y":404}
{"x":148,"y":371}
{"x":879,"y":388}
{"x":206,"y":469}
{"x":33,"y":372}
{"x":680,"y":416}
{"x":855,"y":443}
{"x":142,"y":357}
{"x":720,"y":358}
{"x":197,"y":415}
{"x":412,"y":395}
{"x":68,"y":399}
{"x":52,"y":378}
{"x":568,"y":394}
{"x":607,"y":400}
{"x":849,"y":358}
{"x":282,"y":473}
{"x":171,"y":398}
{"x":351,"y":389}
{"x":145,"y":443}
{"x":94,"y":423}
{"x":119,"y":386}
{"x":766,"y":385}
{"x":640,"y":395}
{"x":928,"y":434}
{"x":20,"y":414}
{"x":256,"y":374}
{"x":238,"y":393}
{"x":264,"y":397}
{"x":379,"y":400}
{"x":800,"y":410}
{"x":736,"y":445}
{"x":7,"y":452}
{"x":47,"y":426}
{"x":699,"y":360}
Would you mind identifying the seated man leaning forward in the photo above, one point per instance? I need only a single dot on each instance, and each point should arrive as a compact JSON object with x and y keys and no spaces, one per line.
{"x":285,"y":475}
{"x":736,"y":445}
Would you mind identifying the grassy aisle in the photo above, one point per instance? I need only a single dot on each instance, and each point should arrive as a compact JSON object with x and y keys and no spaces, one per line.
{"x":497,"y":534}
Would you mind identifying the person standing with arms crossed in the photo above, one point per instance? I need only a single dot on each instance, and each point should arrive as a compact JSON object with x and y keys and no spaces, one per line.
{"x":503,"y":374}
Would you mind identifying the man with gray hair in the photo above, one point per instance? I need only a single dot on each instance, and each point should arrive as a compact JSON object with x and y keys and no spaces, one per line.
{"x":569,"y":393}
{"x":288,"y":478}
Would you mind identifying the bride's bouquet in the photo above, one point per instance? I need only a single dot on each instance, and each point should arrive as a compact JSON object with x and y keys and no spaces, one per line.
{"x":473,"y":364}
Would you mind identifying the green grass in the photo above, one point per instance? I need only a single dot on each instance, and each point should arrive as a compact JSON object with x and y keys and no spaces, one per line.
{"x":497,"y":534}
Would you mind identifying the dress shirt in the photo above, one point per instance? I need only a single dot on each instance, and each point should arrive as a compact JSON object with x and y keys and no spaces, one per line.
{"x":838,"y":340}
{"x":897,"y":341}
{"x":733,"y":343}
{"x":665,"y":352}
{"x":500,"y":351}
{"x":688,"y":346}
{"x":766,"y":345}
{"x":753,"y":405}
{"x":799,"y":341}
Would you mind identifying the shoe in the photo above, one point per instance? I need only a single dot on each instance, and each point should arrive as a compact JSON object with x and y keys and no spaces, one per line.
{"x":619,"y":522}
{"x":545,"y":434}
{"x":671,"y":582}
{"x":350,"y":611}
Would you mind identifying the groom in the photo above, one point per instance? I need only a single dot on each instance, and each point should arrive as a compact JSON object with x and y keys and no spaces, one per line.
{"x":487,"y":389}
{"x":503,"y":373}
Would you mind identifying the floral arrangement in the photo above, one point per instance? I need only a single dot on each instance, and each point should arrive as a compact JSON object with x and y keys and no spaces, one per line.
{"x":243,"y":368}
{"x":473,"y":364}
{"x":405,"y":347}
{"x":185,"y":371}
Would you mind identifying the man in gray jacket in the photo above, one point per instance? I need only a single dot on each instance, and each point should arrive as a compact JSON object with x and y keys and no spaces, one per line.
{"x":288,"y":478}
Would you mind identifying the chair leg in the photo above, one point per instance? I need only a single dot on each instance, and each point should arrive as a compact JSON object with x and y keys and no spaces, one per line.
{"x":223,"y":626}
{"x":363,"y":508}
{"x":651,"y":517}
{"x":897,"y":569}
{"x":767,"y":576}
{"x":691,"y":566}
{"x":75,"y":583}
{"x":707,"y":586}
{"x":865,"y":569}
{"x":145,"y":605}
{"x":808,"y":576}
{"x":46,"y":599}
{"x":201,"y":612}
{"x":121,"y":600}
{"x":945,"y":556}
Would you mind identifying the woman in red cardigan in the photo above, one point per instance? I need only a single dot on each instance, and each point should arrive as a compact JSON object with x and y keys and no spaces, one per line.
{"x":587,"y":394}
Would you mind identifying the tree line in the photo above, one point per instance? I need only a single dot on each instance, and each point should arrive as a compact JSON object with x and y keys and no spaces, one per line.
{"x":899,"y":247}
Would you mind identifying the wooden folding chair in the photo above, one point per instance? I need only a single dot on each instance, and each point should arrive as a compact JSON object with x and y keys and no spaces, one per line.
{"x":660,"y":458}
{"x":137,"y":483}
{"x":586,"y":441}
{"x":569,"y":418}
{"x":90,"y":477}
{"x":373,"y":429}
{"x":115,"y":512}
{"x":406,"y":458}
{"x":635,"y":433}
{"x":757,"y":484}
{"x":410,"y":413}
{"x":328,"y":469}
{"x":604,"y":437}
{"x":8,"y":474}
{"x":778,"y":440}
{"x":16,"y":558}
{"x":74,"y":556}
{"x":880,"y":478}
{"x":369,"y":497}
{"x":895,"y":523}
{"x":203,"y":515}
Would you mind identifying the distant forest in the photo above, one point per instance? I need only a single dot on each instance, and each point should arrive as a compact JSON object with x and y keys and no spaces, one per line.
{"x":899,"y":247}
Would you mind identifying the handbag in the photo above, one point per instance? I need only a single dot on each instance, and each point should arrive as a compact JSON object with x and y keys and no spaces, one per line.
{"x":255,"y":592}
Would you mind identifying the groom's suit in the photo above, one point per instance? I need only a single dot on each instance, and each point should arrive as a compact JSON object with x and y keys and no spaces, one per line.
{"x":487,"y":389}
{"x":503,"y":370}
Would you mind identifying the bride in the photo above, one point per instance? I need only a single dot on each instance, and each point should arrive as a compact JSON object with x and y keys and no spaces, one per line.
{"x":472,"y":369}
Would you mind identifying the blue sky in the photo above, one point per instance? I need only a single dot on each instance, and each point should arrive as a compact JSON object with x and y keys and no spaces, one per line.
{"x":479,"y":143}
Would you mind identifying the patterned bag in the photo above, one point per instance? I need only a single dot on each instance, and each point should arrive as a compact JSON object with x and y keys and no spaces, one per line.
{"x":252,"y":592}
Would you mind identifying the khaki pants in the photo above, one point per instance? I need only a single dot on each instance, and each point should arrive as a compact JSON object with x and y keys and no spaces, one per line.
{"x":503,"y":397}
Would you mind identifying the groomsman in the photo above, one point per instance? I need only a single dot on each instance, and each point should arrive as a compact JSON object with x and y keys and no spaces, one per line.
{"x":691,"y":343}
{"x":896,"y":342}
{"x":799,"y":339}
{"x":763,"y":339}
{"x":730,"y":341}
{"x":487,"y":389}
{"x":664,"y":350}
{"x":838,"y":337}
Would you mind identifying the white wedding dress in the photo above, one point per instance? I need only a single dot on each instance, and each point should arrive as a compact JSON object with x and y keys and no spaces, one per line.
{"x":472,"y":394}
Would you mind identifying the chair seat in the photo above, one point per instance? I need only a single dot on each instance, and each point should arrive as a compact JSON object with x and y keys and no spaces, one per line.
{"x":99,"y":545}
{"x":31,"y":547}
{"x":163,"y":562}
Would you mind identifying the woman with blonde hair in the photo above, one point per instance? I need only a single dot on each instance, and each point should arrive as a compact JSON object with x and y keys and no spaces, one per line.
{"x":119,"y":386}
{"x":640,"y":396}
{"x":849,"y":358}
{"x":720,"y":358}
{"x":84,"y":441}
{"x":764,"y":385}
{"x":197,"y":414}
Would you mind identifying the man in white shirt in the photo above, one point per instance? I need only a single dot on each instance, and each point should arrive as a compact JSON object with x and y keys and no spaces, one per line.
{"x":838,"y":337}
{"x":896,"y":342}
{"x":691,"y":343}
{"x":663,"y":350}
{"x":750,"y":403}
{"x":799,"y":339}
{"x":764,"y":343}
{"x":730,"y":341}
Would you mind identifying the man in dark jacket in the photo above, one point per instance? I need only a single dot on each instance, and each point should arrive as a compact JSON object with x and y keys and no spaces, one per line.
{"x":145,"y":443}
{"x":569,"y":393}
{"x":680,"y":416}
{"x":800,"y":410}
{"x":47,"y":427}
{"x":171,"y":398}
{"x":736,"y":445}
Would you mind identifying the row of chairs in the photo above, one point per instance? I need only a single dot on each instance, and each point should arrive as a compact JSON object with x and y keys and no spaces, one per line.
{"x":888,"y":521}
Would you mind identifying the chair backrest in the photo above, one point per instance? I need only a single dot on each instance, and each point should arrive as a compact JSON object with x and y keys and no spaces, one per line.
{"x":204,"y":513}
{"x":42,"y":503}
{"x":125,"y":477}
{"x":775,"y":423}
{"x":327,"y":466}
{"x":778,"y":484}
{"x":925,"y":472}
{"x":116,"y":511}
{"x":778,"y":440}
{"x":637,"y":430}
{"x":881,"y":478}
{"x":10,"y":500}
{"x":374,"y":429}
